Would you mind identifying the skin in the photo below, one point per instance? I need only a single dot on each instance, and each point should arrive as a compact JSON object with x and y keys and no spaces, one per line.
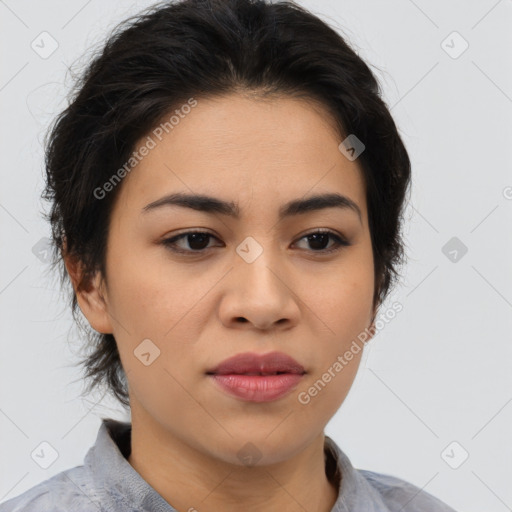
{"x":200,"y":309}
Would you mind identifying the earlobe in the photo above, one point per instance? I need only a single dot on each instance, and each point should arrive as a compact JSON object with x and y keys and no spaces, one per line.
{"x":91,"y":296}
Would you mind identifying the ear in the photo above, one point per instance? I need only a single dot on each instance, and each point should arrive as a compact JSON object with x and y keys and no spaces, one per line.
{"x":91,"y":295}
{"x":371,"y":328}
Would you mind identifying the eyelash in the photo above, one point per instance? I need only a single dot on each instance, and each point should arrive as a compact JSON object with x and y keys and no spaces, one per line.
{"x":340,"y":242}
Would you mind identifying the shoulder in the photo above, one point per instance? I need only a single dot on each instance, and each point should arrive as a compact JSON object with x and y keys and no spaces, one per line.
{"x":65,"y":491}
{"x":399,"y":495}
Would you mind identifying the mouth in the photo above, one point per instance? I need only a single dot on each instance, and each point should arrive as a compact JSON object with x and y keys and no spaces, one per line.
{"x":250,"y":363}
{"x":258,"y":378}
{"x":249,"y":373}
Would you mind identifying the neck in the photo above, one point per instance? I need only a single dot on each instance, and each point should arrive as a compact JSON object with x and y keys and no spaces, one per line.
{"x":191,"y":480}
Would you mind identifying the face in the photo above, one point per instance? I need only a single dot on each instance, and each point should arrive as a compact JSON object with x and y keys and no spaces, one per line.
{"x":253,"y":282}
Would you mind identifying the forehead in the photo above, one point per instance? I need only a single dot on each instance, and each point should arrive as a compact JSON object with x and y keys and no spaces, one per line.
{"x":242,"y":148}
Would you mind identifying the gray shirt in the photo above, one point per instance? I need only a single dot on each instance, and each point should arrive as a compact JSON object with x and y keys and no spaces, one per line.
{"x":107,"y":482}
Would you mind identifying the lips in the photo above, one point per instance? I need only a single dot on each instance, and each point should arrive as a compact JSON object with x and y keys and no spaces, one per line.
{"x":252,"y":377}
{"x":273,"y":363}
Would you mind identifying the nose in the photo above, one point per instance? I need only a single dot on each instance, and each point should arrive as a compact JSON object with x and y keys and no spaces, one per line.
{"x":259,"y":295}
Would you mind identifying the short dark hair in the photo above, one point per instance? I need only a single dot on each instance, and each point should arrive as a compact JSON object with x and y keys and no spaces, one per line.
{"x":152,"y":63}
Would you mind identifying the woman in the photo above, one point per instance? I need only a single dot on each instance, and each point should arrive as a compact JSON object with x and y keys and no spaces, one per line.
{"x":227,"y":190}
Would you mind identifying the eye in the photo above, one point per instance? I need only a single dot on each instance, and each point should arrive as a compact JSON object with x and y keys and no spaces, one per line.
{"x":320,"y":238}
{"x":197,"y":242}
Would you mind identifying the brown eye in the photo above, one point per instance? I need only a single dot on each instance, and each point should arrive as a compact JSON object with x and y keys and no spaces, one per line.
{"x":194,"y":241}
{"x":319,"y":240}
{"x":197,"y":242}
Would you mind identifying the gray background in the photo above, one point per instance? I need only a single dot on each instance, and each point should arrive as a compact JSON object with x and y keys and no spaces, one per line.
{"x":438,"y":373}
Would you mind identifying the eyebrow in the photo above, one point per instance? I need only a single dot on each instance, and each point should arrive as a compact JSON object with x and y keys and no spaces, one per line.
{"x":210,"y":204}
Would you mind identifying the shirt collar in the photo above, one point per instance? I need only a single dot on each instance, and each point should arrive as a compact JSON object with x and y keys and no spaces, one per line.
{"x":121,"y":489}
{"x":354,"y":491}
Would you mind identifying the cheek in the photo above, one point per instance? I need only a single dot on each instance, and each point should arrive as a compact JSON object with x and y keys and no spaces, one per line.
{"x":338,"y":353}
{"x":344,"y":299}
{"x":152,"y":297}
{"x":157,"y":316}
{"x":344,"y":306}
